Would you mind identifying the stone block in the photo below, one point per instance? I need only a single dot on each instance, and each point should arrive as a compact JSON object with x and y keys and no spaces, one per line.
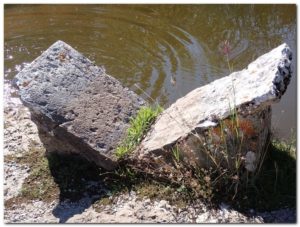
{"x":201,"y":122}
{"x":77,"y":107}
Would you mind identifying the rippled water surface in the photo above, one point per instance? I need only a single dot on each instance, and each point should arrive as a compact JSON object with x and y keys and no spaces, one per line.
{"x":168,"y":50}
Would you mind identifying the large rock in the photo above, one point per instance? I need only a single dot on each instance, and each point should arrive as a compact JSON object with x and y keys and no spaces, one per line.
{"x":77,"y":107}
{"x":199,"y":124}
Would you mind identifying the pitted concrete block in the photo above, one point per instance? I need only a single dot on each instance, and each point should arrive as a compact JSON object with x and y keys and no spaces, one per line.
{"x":78,"y":107}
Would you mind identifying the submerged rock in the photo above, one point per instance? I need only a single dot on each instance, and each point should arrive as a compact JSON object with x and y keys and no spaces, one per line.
{"x":228,"y":117}
{"x":77,"y":107}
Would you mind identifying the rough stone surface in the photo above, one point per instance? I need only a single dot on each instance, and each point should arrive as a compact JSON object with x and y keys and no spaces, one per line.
{"x":251,"y":91}
{"x":77,"y":107}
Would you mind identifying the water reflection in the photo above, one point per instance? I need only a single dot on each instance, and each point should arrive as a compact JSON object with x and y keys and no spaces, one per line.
{"x":151,"y":44}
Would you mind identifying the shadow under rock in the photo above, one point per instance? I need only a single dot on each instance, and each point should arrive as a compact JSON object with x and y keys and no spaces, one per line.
{"x":273,"y":193}
{"x":79,"y":182}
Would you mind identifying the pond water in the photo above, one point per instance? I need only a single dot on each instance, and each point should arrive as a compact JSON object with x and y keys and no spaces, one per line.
{"x":155,"y":45}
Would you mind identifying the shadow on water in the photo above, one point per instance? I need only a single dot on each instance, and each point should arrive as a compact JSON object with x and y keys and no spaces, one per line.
{"x":79,"y":182}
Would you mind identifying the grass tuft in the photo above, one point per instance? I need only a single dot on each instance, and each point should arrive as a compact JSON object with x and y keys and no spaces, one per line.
{"x":138,"y":127}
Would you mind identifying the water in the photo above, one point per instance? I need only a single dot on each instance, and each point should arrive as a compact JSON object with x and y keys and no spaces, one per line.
{"x":155,"y":45}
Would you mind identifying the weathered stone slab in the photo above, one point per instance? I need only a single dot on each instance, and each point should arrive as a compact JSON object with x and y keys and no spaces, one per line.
{"x":195,"y":120}
{"x":76,"y":105}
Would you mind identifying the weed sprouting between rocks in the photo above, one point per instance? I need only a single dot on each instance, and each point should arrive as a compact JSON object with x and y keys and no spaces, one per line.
{"x":139,"y":125}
